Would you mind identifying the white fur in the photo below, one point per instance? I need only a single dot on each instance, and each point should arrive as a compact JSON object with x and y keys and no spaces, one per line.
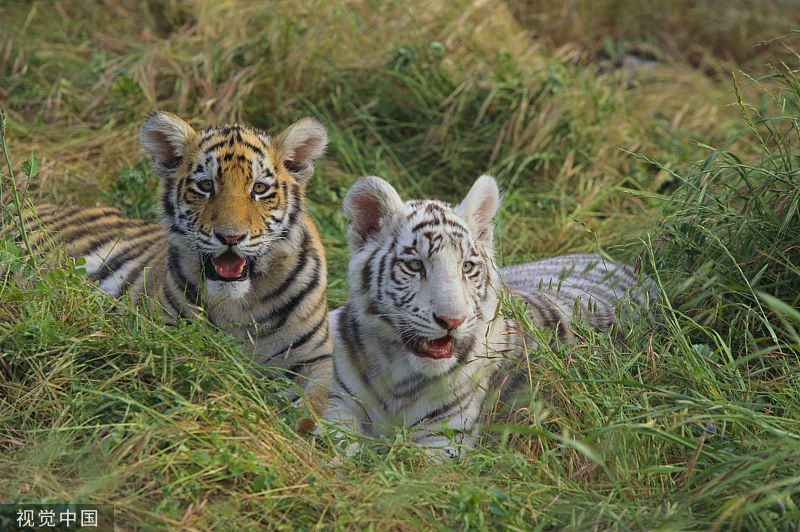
{"x":376,"y":215}
{"x":303,"y":142}
{"x":371,"y":207}
{"x":165,"y":137}
{"x":394,"y":387}
{"x":479,"y":207}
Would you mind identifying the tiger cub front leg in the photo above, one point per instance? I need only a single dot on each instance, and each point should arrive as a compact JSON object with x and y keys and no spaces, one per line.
{"x":438,"y":443}
{"x":343,"y":416}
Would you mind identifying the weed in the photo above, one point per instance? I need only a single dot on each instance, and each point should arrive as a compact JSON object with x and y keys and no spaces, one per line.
{"x":135,"y":192}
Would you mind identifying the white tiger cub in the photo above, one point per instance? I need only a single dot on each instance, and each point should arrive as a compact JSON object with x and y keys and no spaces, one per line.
{"x":418,"y":343}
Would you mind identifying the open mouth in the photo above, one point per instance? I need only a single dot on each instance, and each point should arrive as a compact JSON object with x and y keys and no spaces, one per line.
{"x":226,"y":267}
{"x":438,"y":348}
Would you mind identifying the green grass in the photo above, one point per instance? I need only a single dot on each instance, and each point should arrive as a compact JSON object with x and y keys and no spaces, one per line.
{"x":694,"y":424}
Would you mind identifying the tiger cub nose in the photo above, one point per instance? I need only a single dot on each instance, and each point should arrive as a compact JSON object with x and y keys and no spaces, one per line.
{"x":449,"y":323}
{"x":230,"y":239}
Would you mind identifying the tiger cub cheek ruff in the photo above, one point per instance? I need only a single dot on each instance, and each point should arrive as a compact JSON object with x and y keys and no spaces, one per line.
{"x":379,"y":384}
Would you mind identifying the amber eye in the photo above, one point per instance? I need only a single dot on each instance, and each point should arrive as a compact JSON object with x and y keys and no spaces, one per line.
{"x":415,"y":265}
{"x":259,"y":188}
{"x":205,"y":185}
{"x":467,"y":266}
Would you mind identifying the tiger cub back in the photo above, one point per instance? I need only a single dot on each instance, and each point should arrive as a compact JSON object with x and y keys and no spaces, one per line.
{"x":418,"y":343}
{"x":585,"y":287}
{"x":235,"y":243}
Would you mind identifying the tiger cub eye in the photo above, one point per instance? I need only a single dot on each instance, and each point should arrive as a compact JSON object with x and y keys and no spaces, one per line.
{"x":468,"y":266}
{"x":259,"y":188}
{"x":206,"y":185}
{"x":415,"y":265}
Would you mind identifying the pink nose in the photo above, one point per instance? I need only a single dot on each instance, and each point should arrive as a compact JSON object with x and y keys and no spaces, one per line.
{"x":230,"y":239}
{"x":449,"y":323}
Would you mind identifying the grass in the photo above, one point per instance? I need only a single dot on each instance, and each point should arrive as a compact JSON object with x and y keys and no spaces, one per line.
{"x":687,"y":164}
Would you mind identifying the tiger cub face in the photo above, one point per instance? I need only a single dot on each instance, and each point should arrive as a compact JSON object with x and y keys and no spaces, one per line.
{"x":229,"y":194}
{"x":422,"y":272}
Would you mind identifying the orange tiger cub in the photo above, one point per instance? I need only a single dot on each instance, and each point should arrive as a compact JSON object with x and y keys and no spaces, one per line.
{"x":235,"y":242}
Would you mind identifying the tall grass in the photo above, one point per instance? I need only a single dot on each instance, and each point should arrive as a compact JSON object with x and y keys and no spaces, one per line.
{"x":693,"y":424}
{"x":715,"y":38}
{"x":730,"y":241}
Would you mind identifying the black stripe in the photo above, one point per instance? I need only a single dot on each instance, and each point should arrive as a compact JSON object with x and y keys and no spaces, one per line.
{"x":302,"y":260}
{"x":462,"y":354}
{"x":270,"y":328}
{"x":548,"y":314}
{"x":255,"y":148}
{"x":45,"y":213}
{"x":299,"y":342}
{"x":93,"y":244}
{"x":382,"y":268}
{"x":283,"y":312}
{"x":135,"y":274}
{"x":290,"y":223}
{"x":176,"y":230}
{"x":212,"y":147}
{"x":434,"y":207}
{"x":315,"y":359}
{"x":408,"y":386}
{"x":81,"y":218}
{"x":324,"y":339}
{"x":349,"y":392}
{"x":108,"y":268}
{"x":440,"y":224}
{"x":240,"y":158}
{"x":176,"y":307}
{"x":438,"y":413}
{"x":46,"y":209}
{"x":306,"y":363}
{"x":166,"y":198}
{"x":49,"y":217}
{"x":477,"y":305}
{"x":103,"y":234}
{"x":366,"y":271}
{"x":175,"y":268}
{"x":350,"y":334}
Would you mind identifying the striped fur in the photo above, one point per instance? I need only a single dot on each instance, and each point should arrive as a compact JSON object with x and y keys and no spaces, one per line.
{"x":230,"y":194}
{"x":422,"y":271}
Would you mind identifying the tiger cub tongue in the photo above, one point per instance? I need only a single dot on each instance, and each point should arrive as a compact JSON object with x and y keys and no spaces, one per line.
{"x":228,"y":265}
{"x":439,"y":348}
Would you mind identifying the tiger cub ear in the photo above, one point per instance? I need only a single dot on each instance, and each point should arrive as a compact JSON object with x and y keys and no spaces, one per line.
{"x":300,"y":145}
{"x":480,"y":206}
{"x":368,"y":206}
{"x":165,"y":137}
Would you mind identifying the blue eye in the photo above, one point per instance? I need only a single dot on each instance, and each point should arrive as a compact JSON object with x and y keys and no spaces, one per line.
{"x":467,"y":266}
{"x":415,"y":265}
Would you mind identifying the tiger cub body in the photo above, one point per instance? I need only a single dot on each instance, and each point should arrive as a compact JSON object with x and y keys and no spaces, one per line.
{"x":419,"y":343}
{"x":235,"y":243}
